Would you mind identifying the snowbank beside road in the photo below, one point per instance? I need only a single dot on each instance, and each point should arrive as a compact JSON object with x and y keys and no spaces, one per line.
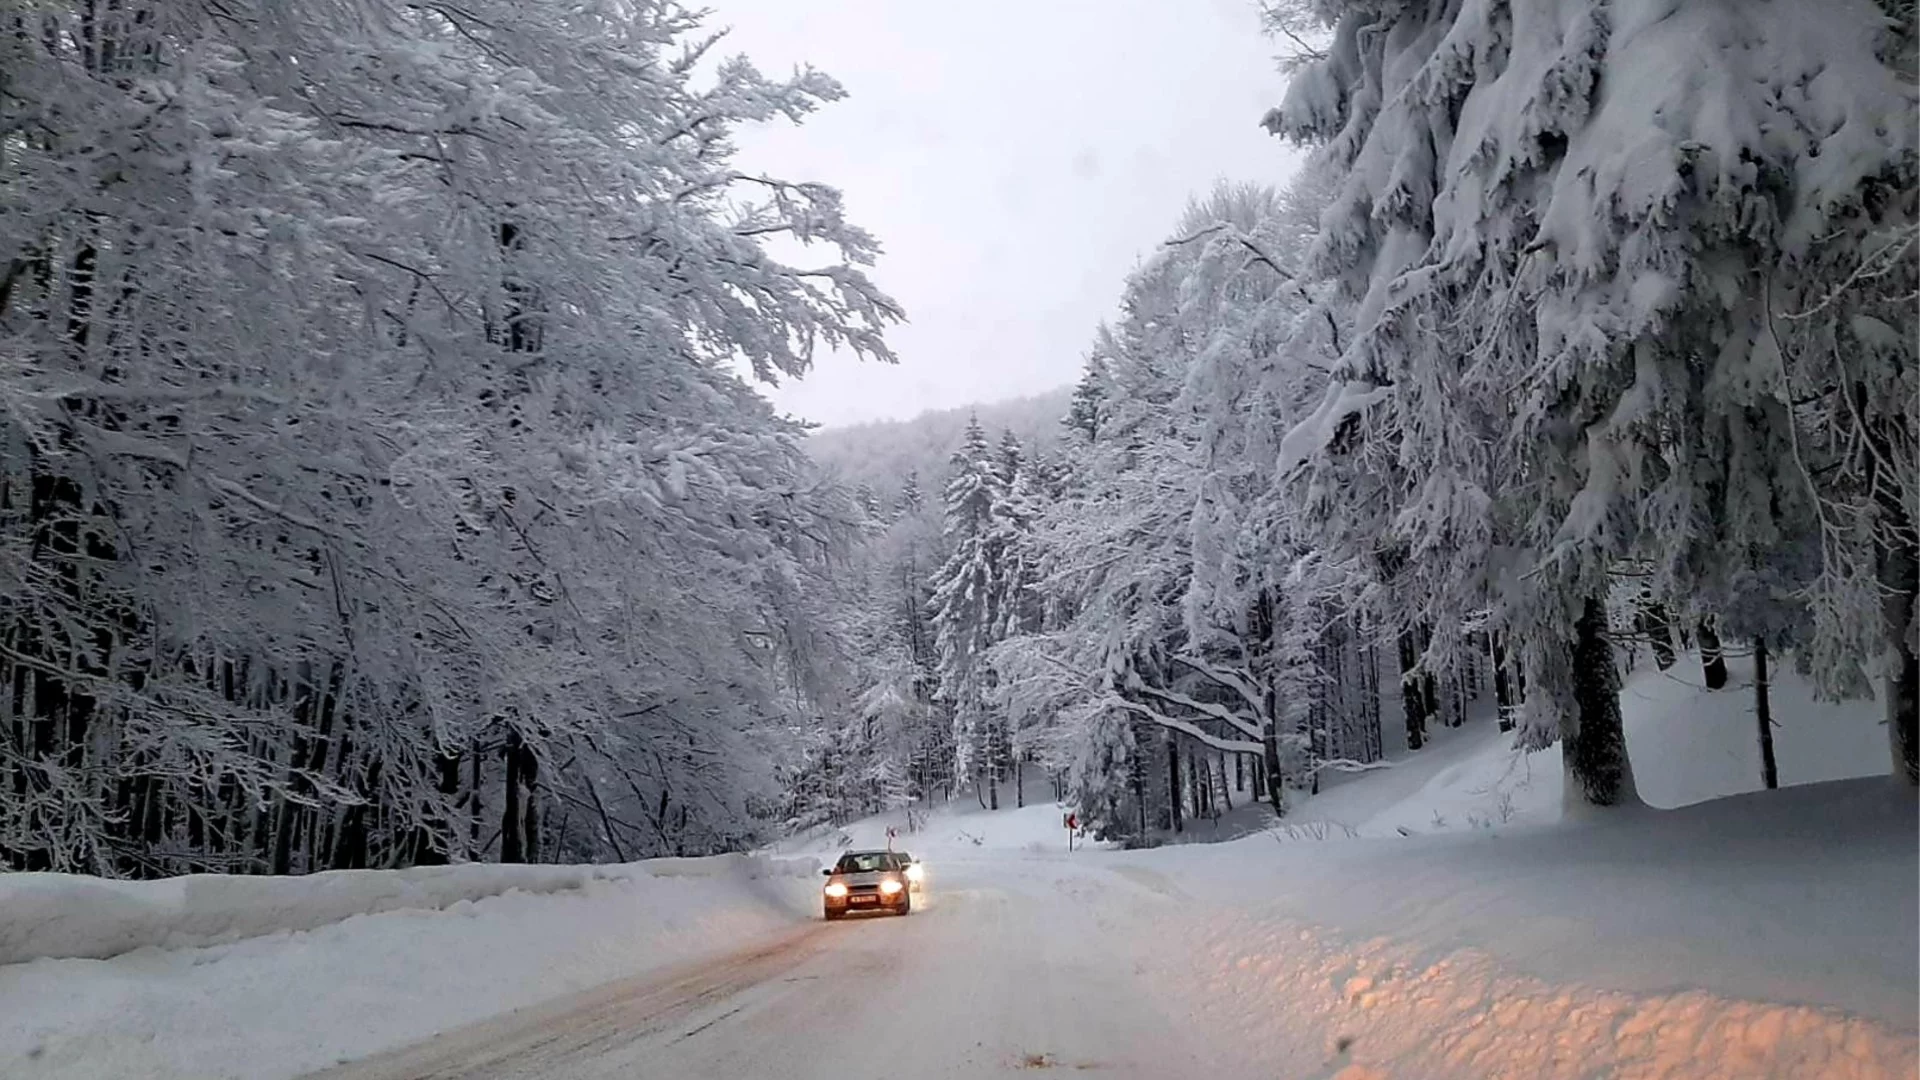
{"x":1765,"y":935}
{"x":311,"y":981}
{"x":69,"y":915}
{"x":1804,"y":895}
{"x":1376,"y":1009}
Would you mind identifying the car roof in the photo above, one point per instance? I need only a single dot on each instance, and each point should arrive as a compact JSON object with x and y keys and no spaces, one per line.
{"x":876,"y":851}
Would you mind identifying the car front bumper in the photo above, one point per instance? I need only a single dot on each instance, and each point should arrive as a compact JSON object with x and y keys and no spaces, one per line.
{"x":857,"y":903}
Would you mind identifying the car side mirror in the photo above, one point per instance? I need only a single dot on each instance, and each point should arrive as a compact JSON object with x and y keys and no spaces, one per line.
{"x":828,"y":872}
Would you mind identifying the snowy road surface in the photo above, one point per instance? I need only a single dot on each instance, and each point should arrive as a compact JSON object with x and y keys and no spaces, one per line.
{"x":1010,"y":967}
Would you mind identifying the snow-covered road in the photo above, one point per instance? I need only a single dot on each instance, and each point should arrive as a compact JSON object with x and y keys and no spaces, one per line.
{"x":1010,"y":966}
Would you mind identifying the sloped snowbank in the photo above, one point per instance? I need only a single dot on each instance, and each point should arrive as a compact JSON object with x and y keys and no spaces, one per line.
{"x":1375,"y":1010}
{"x":1687,"y":745}
{"x":1767,"y":934}
{"x":320,"y":969}
{"x":70,"y":915}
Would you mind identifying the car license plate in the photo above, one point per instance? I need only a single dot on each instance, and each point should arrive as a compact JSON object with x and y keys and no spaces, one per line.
{"x":862,"y":899}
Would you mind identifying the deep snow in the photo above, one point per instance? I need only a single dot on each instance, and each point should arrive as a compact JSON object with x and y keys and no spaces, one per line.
{"x":1686,"y":744}
{"x":69,"y":915}
{"x":278,"y":1004}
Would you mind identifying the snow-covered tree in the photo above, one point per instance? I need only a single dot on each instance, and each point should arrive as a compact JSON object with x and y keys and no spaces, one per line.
{"x":375,"y":484}
{"x":965,"y":605}
{"x":1188,"y":599}
{"x":1566,"y":231}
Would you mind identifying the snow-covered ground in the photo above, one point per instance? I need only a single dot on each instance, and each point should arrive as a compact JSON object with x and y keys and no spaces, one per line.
{"x":1797,"y":905}
{"x":1687,"y":745}
{"x":1435,"y":919}
{"x":280,"y":1002}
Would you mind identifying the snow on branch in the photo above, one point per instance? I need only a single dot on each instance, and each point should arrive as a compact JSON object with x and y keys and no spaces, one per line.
{"x":1238,"y":746}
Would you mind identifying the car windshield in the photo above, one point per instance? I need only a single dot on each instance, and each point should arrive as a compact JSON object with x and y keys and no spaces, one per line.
{"x":864,"y":863}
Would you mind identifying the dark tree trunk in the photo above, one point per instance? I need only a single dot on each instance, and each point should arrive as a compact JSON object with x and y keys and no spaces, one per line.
{"x":1596,"y":753}
{"x":1226,"y":791}
{"x":1429,"y":684}
{"x":1898,"y":566}
{"x":1173,"y":781}
{"x":1763,"y":712}
{"x":1370,"y":680}
{"x":304,"y":707}
{"x":475,"y":804}
{"x":1270,"y":748}
{"x":511,"y":850}
{"x":1503,"y":696}
{"x":351,"y":852}
{"x":530,"y":776}
{"x":1712,"y":662}
{"x":1411,"y":697}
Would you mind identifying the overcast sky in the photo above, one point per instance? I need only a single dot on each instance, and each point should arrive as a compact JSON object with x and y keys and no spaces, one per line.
{"x":1016,"y":158}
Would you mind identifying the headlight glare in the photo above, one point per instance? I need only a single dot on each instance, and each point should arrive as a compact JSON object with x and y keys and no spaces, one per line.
{"x":915,"y":872}
{"x":836,"y":889}
{"x":890,"y":886}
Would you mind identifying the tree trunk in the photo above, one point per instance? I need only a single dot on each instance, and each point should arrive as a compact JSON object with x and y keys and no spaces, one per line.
{"x":1503,"y":697}
{"x":1429,"y":684}
{"x":530,"y":776}
{"x":1411,"y":698}
{"x":1899,"y":573}
{"x":1712,"y":662}
{"x":1226,"y":790}
{"x":1137,"y":773}
{"x":1595,"y":753}
{"x":1659,"y":630}
{"x":1173,"y":781}
{"x":510,"y":849}
{"x":1270,"y":748}
{"x":1763,"y":712}
{"x":1370,"y":699}
{"x":475,"y":805}
{"x":285,"y":812}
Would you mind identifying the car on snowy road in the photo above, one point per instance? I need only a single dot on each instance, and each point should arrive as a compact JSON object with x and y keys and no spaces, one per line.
{"x":867,"y":881}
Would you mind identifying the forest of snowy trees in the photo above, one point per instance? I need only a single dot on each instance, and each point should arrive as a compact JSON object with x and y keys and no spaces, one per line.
{"x":382,"y":479}
{"x":1590,"y":328}
{"x":377,"y":484}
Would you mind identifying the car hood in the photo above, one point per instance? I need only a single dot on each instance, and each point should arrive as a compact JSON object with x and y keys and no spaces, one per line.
{"x":872,"y":877}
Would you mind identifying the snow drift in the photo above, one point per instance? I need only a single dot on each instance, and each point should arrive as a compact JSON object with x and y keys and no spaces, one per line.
{"x":390,"y":957}
{"x":69,"y":915}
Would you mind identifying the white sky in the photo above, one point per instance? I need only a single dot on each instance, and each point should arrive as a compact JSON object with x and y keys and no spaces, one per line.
{"x":1015,"y":159}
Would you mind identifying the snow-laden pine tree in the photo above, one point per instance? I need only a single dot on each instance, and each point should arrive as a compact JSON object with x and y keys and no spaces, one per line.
{"x":375,"y":484}
{"x":1573,"y":229}
{"x":965,"y":604}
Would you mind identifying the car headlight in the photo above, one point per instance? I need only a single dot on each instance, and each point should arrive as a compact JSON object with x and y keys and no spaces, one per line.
{"x":890,"y":886}
{"x":915,"y":872}
{"x":836,"y":889}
